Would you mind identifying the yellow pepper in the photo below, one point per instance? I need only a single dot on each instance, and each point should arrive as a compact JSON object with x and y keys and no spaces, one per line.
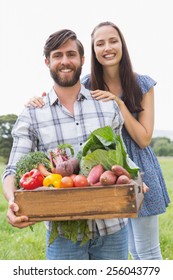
{"x":53,"y":180}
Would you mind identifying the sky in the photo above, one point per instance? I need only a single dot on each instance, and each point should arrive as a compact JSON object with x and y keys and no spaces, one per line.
{"x":25,"y":26}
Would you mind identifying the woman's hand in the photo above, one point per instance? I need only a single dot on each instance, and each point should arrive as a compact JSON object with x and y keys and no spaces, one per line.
{"x":140,"y":129}
{"x":106,"y":96}
{"x":36,"y":101}
{"x":145,"y":188}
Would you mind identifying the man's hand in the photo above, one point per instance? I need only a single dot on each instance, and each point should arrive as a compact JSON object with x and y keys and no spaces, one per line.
{"x":16,"y":221}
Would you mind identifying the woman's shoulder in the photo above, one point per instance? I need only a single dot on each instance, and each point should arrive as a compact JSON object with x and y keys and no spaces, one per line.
{"x":145,"y":82}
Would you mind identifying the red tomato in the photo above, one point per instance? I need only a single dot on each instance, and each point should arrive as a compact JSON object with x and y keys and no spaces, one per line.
{"x":80,"y":181}
{"x":73,"y":176}
{"x":67,"y":182}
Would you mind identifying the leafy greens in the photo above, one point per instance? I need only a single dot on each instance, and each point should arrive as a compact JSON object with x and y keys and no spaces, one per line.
{"x":106,"y":147}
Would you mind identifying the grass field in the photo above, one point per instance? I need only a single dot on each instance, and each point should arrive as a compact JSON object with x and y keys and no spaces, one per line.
{"x":24,"y":244}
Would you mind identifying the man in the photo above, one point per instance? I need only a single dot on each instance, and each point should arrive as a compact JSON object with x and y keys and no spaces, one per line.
{"x":69,"y":116}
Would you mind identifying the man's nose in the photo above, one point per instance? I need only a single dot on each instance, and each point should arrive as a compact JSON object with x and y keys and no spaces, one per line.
{"x":65,"y":59}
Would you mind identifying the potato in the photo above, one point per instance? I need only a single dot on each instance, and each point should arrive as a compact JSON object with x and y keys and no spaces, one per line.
{"x":97,"y":184}
{"x":108,"y":178}
{"x":123,"y":179}
{"x":119,"y":170}
{"x":94,"y":174}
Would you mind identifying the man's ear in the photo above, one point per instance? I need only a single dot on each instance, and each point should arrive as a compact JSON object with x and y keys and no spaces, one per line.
{"x":83,"y":60}
{"x":47,"y":62}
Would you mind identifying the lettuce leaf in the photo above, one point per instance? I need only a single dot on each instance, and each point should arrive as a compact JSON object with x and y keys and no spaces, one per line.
{"x":105,"y":147}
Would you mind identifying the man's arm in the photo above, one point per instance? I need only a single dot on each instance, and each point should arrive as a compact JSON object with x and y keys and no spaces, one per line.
{"x":8,"y":190}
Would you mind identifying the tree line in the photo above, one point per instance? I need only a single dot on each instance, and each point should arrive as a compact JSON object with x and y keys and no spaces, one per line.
{"x":162,"y":146}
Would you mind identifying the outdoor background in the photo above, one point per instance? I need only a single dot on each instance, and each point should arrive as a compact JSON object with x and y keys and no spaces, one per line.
{"x":25,"y":26}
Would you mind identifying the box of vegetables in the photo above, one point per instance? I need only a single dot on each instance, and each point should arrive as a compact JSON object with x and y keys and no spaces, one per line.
{"x":99,"y":183}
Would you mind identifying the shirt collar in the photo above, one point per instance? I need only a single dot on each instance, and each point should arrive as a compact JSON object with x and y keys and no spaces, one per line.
{"x":83,"y":94}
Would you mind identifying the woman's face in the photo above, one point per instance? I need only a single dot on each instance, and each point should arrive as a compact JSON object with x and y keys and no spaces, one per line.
{"x":107,"y":46}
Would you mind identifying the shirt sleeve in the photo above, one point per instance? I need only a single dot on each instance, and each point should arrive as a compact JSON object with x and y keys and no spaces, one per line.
{"x":145,"y":82}
{"x":23,"y":141}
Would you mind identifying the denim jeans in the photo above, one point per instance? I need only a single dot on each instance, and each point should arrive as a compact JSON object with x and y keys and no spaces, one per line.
{"x":108,"y":247}
{"x":144,"y":238}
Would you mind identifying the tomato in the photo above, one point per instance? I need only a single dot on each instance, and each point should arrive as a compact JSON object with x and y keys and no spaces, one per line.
{"x":80,"y":181}
{"x":67,"y":182}
{"x":73,"y":176}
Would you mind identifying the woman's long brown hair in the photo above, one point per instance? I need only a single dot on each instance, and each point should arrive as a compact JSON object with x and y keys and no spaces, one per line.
{"x":132,"y":94}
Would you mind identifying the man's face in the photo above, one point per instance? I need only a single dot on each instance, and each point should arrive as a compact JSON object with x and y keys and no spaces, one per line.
{"x":65,"y":64}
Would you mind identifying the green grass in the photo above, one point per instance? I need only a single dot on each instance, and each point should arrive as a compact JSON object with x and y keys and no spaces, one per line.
{"x":23,"y":244}
{"x":19,"y":244}
{"x":166,"y":219}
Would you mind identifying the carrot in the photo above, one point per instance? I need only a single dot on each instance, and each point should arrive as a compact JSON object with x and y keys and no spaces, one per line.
{"x":43,"y":170}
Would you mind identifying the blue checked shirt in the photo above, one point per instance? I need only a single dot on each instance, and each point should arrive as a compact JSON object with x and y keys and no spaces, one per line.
{"x":44,"y":129}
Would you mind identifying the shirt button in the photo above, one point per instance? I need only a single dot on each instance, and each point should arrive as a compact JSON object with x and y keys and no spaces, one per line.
{"x":80,"y":144}
{"x":77,"y":123}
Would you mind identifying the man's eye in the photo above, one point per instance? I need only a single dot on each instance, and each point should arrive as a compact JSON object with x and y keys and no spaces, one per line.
{"x":72,"y":54}
{"x":57,"y":55}
{"x":99,"y":44}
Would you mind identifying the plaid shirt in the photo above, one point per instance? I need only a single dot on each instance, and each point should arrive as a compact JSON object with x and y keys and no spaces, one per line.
{"x":44,"y":129}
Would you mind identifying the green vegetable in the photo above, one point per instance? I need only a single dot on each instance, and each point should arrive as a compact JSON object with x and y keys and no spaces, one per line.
{"x":104,"y":147}
{"x":33,"y":160}
{"x":70,"y":230}
{"x":29,"y":162}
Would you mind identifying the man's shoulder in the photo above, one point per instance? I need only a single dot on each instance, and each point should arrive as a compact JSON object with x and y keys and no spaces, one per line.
{"x":86,"y":81}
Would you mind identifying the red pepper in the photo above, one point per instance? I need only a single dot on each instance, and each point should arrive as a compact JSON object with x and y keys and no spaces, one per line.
{"x":32,"y":179}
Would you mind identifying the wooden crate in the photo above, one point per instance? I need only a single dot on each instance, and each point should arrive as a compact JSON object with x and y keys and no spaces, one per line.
{"x":99,"y":202}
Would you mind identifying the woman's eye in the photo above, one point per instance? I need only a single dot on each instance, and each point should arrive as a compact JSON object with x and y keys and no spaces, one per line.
{"x":114,"y":41}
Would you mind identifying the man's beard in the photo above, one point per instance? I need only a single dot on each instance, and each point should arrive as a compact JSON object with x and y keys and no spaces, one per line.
{"x":66,"y":82}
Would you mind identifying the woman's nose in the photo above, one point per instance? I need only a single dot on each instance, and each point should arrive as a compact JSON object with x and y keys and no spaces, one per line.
{"x":108,"y":46}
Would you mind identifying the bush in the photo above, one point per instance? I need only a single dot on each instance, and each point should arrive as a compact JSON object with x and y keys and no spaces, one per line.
{"x":162,"y":146}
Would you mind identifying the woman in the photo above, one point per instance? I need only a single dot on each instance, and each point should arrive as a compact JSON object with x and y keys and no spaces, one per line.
{"x":112,"y":77}
{"x":112,"y":74}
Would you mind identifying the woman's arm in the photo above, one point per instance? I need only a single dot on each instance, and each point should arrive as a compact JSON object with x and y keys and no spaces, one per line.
{"x":140,"y":130}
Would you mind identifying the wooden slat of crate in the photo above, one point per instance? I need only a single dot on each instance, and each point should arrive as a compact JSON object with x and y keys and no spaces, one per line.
{"x":101,"y":202}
